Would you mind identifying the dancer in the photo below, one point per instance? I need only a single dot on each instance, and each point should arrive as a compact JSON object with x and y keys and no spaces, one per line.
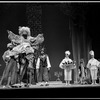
{"x":82,"y":71}
{"x":31,"y":69}
{"x":10,"y":75}
{"x":65,"y":64}
{"x":43,"y":66}
{"x":23,"y":44}
{"x":93,"y":65}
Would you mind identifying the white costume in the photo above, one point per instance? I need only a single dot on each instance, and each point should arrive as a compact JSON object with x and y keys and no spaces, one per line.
{"x":25,"y":45}
{"x":67,"y":72}
{"x":93,"y":65}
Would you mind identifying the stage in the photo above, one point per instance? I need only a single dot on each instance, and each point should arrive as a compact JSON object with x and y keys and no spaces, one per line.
{"x":53,"y":90}
{"x":51,"y":84}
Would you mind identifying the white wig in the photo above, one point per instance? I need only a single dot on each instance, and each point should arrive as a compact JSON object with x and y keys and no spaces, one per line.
{"x":91,"y":52}
{"x":67,"y":52}
{"x":21,"y":29}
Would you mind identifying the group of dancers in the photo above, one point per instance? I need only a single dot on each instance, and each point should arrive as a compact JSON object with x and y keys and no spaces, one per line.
{"x":89,"y":73}
{"x":26,"y":62}
{"x":92,"y":68}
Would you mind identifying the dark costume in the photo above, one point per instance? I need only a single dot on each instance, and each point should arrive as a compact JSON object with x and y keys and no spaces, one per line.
{"x":31,"y":69}
{"x":42,"y":65}
{"x":27,"y":70}
{"x":23,"y":63}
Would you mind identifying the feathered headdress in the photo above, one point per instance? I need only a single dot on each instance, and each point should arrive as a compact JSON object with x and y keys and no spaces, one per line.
{"x":21,"y":29}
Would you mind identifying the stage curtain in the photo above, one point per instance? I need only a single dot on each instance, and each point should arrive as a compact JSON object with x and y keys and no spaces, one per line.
{"x":81,"y":45}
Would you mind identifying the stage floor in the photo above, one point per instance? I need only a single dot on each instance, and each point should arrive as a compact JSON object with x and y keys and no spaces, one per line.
{"x":54,"y":90}
{"x":53,"y":84}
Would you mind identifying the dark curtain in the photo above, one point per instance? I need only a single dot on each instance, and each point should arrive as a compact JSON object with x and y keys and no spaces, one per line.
{"x":81,"y":44}
{"x":80,"y":40}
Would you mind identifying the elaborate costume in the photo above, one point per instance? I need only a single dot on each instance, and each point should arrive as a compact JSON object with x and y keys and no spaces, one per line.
{"x":24,"y":42}
{"x":42,"y":66}
{"x":10,"y":74}
{"x":93,"y":65}
{"x":20,"y":54}
{"x":67,"y":68}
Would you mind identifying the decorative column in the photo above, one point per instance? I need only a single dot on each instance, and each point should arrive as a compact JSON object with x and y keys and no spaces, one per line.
{"x":34,"y":13}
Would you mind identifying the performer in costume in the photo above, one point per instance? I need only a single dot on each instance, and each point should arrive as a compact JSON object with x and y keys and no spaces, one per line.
{"x":93,"y":65}
{"x":23,"y":64}
{"x":43,"y":66}
{"x":31,"y":69}
{"x":67,"y":71}
{"x":23,"y":43}
{"x":30,"y":56}
{"x":10,"y":74}
{"x":82,"y":71}
{"x":26,"y":43}
{"x":25,"y":47}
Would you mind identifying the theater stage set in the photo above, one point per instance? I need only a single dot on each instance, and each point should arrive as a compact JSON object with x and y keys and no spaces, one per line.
{"x":65,"y":26}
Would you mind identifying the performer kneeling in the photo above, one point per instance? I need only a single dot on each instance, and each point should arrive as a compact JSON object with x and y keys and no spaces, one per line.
{"x":65,"y":64}
{"x":43,"y":66}
{"x":93,"y":65}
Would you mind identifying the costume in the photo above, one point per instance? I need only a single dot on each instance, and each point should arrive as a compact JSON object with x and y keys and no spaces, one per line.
{"x":43,"y":65}
{"x":10,"y":75}
{"x":93,"y":65}
{"x":20,"y":54}
{"x":23,"y":64}
{"x":81,"y":70}
{"x":67,"y":73}
{"x":67,"y":70}
{"x":31,"y":69}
